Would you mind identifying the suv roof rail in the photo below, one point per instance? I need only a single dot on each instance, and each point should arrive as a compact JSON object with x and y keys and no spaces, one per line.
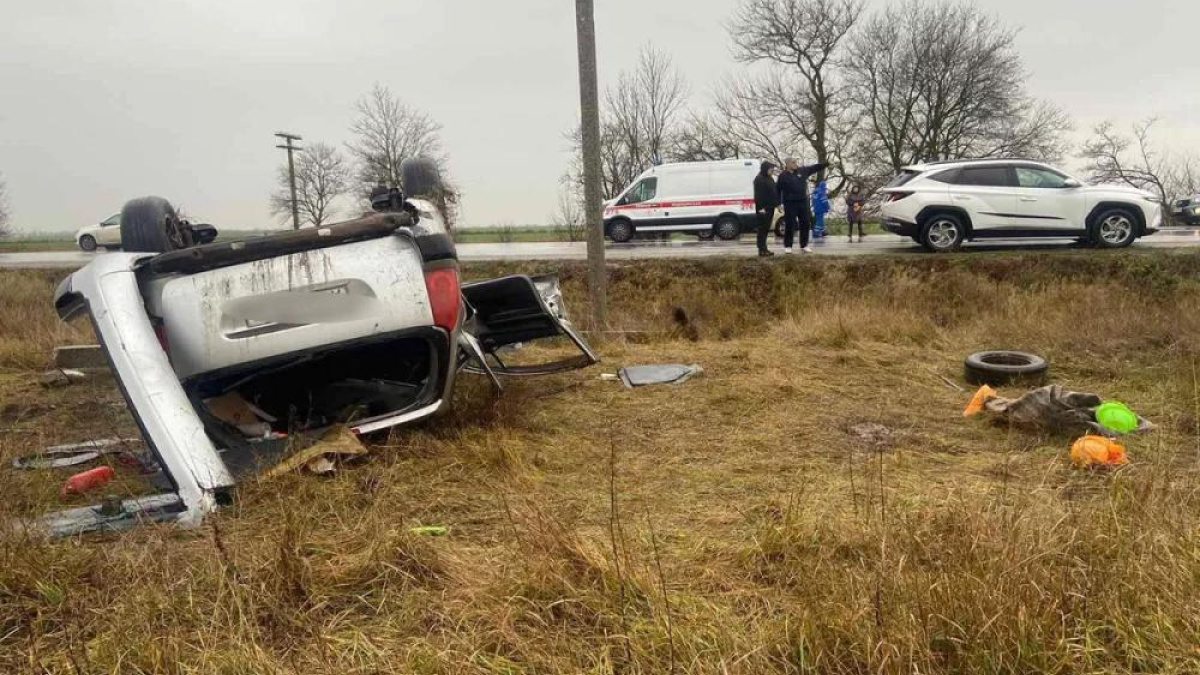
{"x":943,"y":162}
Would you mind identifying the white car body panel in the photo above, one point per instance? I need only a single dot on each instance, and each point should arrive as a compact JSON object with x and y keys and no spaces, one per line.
{"x":244,"y":313}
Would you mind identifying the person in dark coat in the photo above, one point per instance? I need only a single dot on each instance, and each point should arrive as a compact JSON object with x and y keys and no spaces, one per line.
{"x":766,"y":200}
{"x":855,"y":203}
{"x":793,"y":193}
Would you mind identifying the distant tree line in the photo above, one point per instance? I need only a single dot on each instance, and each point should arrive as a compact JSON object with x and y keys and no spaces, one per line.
{"x":867,"y":93}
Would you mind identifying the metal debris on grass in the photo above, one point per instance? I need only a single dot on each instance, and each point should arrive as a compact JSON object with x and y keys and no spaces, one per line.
{"x":673,"y":373}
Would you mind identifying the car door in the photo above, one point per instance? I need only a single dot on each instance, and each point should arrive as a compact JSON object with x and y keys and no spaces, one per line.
{"x":109,"y":233}
{"x":989,"y":195}
{"x":1048,"y":201}
{"x":640,"y":204}
{"x":518,"y":325}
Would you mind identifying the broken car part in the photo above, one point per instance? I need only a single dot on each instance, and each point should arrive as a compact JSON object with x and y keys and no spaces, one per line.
{"x":74,"y":454}
{"x":641,"y":376}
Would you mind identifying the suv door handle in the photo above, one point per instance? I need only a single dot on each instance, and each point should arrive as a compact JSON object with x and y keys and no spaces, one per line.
{"x":1029,"y":199}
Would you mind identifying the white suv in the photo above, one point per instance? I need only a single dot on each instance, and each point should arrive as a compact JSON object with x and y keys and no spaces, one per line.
{"x":942,"y":204}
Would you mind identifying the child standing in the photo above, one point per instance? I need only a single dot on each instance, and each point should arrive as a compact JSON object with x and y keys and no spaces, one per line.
{"x":820,"y":208}
{"x":855,"y":203}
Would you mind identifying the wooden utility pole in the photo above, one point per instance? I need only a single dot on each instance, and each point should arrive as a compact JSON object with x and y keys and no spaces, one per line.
{"x":288,"y":138}
{"x":593,"y":207}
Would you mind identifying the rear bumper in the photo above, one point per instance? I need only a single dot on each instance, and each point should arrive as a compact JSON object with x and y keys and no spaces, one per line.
{"x":900,"y":227}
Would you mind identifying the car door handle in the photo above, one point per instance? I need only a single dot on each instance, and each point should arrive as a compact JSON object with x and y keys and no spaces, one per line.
{"x":1029,"y":199}
{"x":962,"y":198}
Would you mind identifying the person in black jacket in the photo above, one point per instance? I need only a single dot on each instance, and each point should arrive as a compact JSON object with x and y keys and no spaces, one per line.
{"x":793,"y":193}
{"x":766,"y":200}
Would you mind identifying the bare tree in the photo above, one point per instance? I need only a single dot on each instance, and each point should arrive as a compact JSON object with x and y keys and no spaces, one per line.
{"x":386,"y":132}
{"x":1112,"y":157}
{"x":322,"y":176}
{"x":568,"y":217}
{"x":5,"y":213}
{"x":801,"y":40}
{"x":943,"y":80}
{"x":639,"y":119}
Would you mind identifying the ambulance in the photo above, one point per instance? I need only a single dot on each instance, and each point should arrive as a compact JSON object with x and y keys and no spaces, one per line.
{"x":707,"y":199}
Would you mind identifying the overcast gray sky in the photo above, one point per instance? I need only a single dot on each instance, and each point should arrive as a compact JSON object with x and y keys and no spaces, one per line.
{"x":103,"y":100}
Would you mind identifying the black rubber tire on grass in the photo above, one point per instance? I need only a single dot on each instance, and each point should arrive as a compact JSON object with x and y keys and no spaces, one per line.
{"x":150,"y":225}
{"x":420,"y":177}
{"x":999,"y":368}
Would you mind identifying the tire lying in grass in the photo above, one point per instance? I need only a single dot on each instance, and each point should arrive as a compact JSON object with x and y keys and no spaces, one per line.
{"x":998,"y":368}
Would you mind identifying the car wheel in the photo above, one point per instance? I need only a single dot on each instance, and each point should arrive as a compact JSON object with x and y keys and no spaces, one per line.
{"x":88,"y":243}
{"x":942,"y":233}
{"x":780,"y":228}
{"x":998,"y":368}
{"x":1115,"y":228}
{"x":150,"y":225}
{"x":420,"y":177}
{"x":706,"y":235}
{"x":728,"y":228}
{"x":620,"y":231}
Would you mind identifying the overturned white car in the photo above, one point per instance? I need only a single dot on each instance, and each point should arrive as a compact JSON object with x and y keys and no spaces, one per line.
{"x":362,"y":324}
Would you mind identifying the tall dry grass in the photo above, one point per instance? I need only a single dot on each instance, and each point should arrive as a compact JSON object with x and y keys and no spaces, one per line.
{"x":735,"y":524}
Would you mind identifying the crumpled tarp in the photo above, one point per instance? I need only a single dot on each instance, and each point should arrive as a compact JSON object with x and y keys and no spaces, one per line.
{"x":671,"y":373}
{"x":1054,"y":409}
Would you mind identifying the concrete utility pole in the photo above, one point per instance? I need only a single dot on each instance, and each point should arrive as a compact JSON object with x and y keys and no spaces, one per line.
{"x":288,"y":138}
{"x":593,"y":207}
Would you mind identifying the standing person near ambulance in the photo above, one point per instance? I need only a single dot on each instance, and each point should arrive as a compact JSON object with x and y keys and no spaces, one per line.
{"x":766,"y":200}
{"x":855,"y":203}
{"x":793,"y":193}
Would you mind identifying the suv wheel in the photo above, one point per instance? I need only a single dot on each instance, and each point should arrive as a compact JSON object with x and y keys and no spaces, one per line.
{"x":728,"y":228}
{"x":88,"y":243}
{"x":1115,"y":228}
{"x":620,"y":231}
{"x":943,"y":232}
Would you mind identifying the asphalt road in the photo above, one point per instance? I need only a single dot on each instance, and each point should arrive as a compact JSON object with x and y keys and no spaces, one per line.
{"x":874,"y":245}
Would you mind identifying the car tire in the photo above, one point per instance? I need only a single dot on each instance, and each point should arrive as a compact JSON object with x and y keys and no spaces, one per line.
{"x":1114,"y":228}
{"x":706,"y":235}
{"x":943,"y":233}
{"x":727,"y":228}
{"x":999,"y":368}
{"x":88,"y":243}
{"x":150,"y":225}
{"x":420,"y":177}
{"x":620,"y":231}
{"x":780,"y":228}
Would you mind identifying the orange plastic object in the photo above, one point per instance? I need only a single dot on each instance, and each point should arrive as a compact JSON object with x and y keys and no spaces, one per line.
{"x":88,"y":480}
{"x":982,"y":396}
{"x":1097,"y":451}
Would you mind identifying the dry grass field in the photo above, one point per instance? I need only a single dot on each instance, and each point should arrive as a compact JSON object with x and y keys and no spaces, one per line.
{"x":733,"y":524}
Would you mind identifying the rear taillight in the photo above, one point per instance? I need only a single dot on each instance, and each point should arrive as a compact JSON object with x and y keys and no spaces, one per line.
{"x":895,"y":196}
{"x":445,"y":297}
{"x":160,"y":332}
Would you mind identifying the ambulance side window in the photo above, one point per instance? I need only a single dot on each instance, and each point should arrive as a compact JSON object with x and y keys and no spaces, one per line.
{"x":643,"y":191}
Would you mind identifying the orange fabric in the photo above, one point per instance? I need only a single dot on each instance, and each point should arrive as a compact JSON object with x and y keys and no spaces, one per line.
{"x":982,"y":396}
{"x":1097,"y":451}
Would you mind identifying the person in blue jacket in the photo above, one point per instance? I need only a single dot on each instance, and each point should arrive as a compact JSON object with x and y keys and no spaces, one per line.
{"x":820,"y":209}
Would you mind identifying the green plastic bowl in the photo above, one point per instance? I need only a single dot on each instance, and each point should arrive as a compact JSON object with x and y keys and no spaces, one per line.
{"x":1118,"y":417}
